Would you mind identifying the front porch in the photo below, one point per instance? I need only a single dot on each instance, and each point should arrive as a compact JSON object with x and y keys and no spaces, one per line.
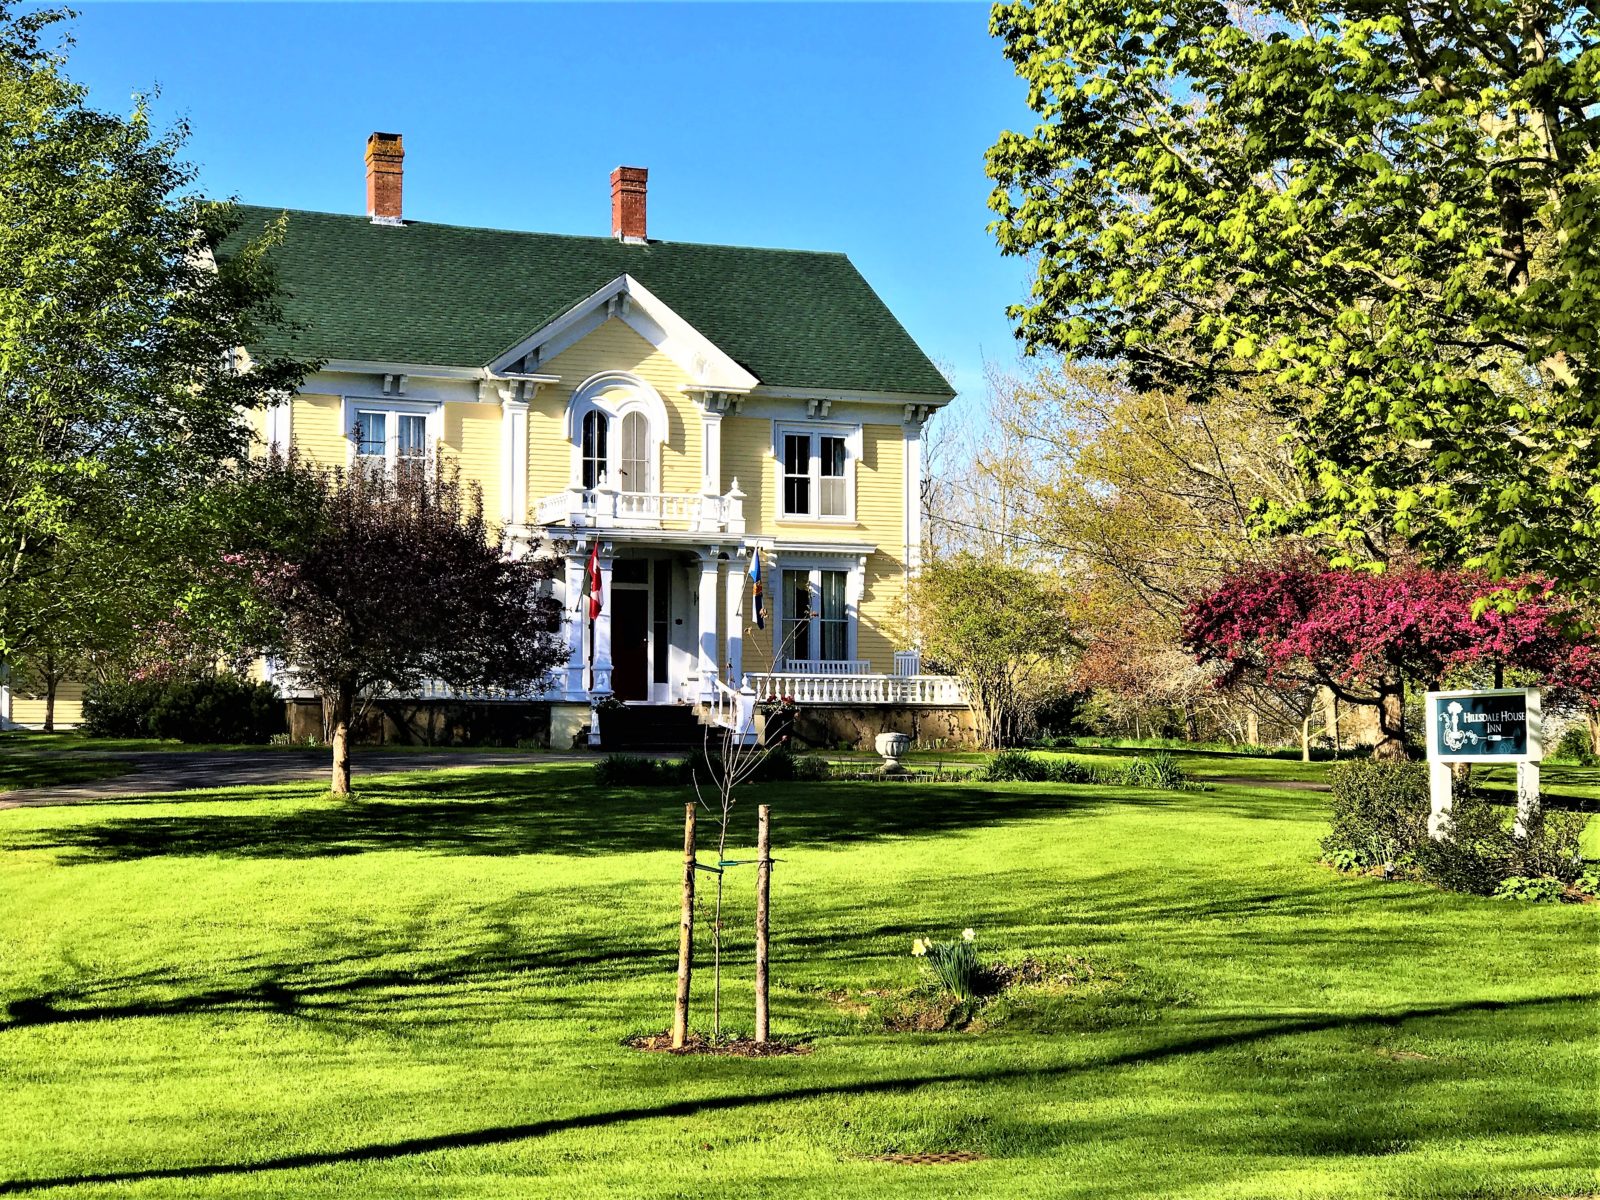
{"x":676,"y":623}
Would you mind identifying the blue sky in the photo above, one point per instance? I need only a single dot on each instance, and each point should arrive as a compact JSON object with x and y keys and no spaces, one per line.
{"x":858,"y":128}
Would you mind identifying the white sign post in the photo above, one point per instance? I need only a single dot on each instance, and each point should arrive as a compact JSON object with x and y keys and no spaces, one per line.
{"x":1501,"y":725}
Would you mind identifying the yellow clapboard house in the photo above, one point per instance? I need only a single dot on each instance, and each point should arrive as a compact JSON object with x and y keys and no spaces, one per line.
{"x":687,"y":408}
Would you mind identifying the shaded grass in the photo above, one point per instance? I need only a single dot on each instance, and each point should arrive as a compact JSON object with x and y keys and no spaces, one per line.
{"x":421,"y":993}
{"x":27,"y":771}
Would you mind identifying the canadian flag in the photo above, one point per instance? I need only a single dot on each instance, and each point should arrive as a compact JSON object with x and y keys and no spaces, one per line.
{"x":591,"y":582}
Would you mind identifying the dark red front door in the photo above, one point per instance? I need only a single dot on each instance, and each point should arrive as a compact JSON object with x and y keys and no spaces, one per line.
{"x":630,"y":630}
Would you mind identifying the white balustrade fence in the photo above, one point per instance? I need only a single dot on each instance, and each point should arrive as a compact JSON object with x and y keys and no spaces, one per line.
{"x":604,"y":507}
{"x":943,"y":691}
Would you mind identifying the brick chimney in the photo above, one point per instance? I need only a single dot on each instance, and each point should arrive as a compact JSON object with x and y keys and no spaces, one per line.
{"x":385,"y":154}
{"x":627,"y":203}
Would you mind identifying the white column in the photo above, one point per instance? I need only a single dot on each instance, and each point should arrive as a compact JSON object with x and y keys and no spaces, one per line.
{"x":5,"y":695}
{"x":711,"y":451}
{"x":1527,"y":798}
{"x":913,"y":497}
{"x":573,"y":617}
{"x":735,"y":620}
{"x":602,"y":628}
{"x":710,"y":466}
{"x":1440,"y":783}
{"x":706,"y":614}
{"x":514,"y":462}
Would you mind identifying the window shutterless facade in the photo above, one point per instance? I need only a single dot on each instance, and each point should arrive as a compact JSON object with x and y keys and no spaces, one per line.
{"x":385,"y":435}
{"x":816,"y":472}
{"x":817,"y":617}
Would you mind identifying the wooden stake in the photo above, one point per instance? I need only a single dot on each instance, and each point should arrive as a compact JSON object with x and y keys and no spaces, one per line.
{"x":680,"y":1011}
{"x":763,"y":887}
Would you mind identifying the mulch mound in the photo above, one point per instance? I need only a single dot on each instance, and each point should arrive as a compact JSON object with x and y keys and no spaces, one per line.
{"x":735,"y":1047}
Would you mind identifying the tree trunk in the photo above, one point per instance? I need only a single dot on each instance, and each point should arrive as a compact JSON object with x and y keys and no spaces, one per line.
{"x":50,"y":682}
{"x":1330,"y":718}
{"x":344,"y":702}
{"x":1191,"y":724}
{"x":1305,"y":738}
{"x":1252,"y":727}
{"x":1391,"y":717}
{"x":1593,"y":718}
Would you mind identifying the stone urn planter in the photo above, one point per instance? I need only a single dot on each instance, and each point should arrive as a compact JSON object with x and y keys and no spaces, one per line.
{"x":891,"y":746}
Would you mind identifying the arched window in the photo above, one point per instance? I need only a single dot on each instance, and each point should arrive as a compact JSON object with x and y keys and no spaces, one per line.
{"x":637,"y":453}
{"x":595,"y":429}
{"x":618,"y":425}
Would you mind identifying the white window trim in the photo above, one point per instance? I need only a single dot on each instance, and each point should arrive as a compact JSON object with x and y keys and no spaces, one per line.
{"x":855,"y":579}
{"x":590,"y":396}
{"x":433,"y":411}
{"x":852,"y":456}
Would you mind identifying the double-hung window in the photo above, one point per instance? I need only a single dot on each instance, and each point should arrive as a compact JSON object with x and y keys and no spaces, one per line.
{"x":388,"y":438}
{"x":817,"y":473}
{"x":816,"y":615}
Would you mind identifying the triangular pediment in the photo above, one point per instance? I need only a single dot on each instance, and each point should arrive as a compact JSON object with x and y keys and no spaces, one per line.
{"x":629,"y":301}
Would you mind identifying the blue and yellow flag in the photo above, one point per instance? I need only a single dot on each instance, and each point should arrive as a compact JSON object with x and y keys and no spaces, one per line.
{"x":755,"y":581}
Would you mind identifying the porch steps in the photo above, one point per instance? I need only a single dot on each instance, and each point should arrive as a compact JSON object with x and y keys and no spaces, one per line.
{"x":651,"y":728}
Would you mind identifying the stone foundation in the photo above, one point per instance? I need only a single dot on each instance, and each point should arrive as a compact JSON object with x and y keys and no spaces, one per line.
{"x":830,"y":727}
{"x":436,"y":723}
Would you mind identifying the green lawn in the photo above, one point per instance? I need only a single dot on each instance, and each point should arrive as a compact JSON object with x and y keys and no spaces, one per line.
{"x":422,"y":994}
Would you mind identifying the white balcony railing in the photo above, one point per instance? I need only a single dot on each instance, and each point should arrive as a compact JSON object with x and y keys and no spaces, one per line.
{"x":942,"y":691}
{"x":817,"y":666}
{"x":605,"y":507}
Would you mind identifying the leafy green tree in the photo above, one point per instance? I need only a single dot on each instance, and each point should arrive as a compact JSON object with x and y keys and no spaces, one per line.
{"x":1378,"y":214}
{"x":1004,"y":630}
{"x":122,"y":383}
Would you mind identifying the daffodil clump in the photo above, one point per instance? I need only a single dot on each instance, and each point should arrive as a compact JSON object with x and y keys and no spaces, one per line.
{"x":954,"y":964}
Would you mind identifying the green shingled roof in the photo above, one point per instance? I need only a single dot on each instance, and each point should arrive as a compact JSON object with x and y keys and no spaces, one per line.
{"x":449,"y":295}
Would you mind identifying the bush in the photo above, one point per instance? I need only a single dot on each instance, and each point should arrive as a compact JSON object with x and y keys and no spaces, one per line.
{"x":1574,"y":748}
{"x":1479,"y":852}
{"x":1482,"y":851}
{"x":1157,"y":771}
{"x":1536,"y":890}
{"x":1551,"y":846}
{"x":1380,"y":811}
{"x":1018,"y":766}
{"x":120,"y":709}
{"x":811,"y":768}
{"x":1154,"y":771}
{"x":632,"y":770}
{"x":219,"y":708}
{"x":778,"y":765}
{"x":215,"y":708}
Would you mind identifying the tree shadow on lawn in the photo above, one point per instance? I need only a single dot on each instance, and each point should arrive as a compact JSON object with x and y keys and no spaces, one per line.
{"x":359,"y":987}
{"x":1331,"y":1137}
{"x":556,"y":810}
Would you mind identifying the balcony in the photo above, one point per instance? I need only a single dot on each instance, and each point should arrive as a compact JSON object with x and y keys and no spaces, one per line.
{"x":605,"y":507}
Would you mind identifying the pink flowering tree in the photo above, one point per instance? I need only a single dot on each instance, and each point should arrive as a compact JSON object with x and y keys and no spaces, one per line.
{"x":1299,"y":623}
